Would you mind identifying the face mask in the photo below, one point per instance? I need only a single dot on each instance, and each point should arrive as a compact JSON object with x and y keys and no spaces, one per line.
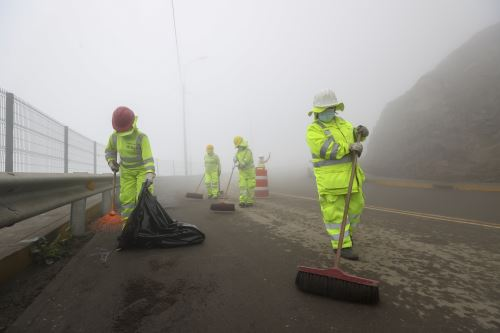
{"x":327,"y":115}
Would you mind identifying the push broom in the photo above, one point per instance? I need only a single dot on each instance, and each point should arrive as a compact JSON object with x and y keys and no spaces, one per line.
{"x":224,"y":206}
{"x":111,"y":221}
{"x":195,"y":194}
{"x":334,"y":282}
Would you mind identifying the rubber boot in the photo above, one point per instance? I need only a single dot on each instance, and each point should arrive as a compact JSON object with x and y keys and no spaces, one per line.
{"x":348,"y":253}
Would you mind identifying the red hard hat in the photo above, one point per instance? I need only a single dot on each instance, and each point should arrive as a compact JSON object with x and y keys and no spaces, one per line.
{"x":123,"y":119}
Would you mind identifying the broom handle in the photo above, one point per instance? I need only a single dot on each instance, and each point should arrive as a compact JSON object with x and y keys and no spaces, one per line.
{"x":199,"y":184}
{"x":114,"y":191}
{"x":229,"y":182}
{"x":346,"y":205}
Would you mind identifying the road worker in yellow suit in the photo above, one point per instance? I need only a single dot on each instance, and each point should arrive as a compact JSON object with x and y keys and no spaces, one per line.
{"x":331,"y":140}
{"x":136,"y":164}
{"x":212,"y":172}
{"x":246,"y":168}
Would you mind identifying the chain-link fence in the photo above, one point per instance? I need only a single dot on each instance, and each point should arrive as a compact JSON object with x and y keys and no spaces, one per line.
{"x":81,"y":153}
{"x":38,"y":140}
{"x":31,"y":141}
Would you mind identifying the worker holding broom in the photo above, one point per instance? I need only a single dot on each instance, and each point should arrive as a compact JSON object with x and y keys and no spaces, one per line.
{"x":331,"y":140}
{"x":136,"y":159}
{"x":246,"y":168}
{"x":212,"y":172}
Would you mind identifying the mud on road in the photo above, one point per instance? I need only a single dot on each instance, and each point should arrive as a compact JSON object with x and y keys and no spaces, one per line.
{"x":434,"y":276}
{"x":424,"y":268}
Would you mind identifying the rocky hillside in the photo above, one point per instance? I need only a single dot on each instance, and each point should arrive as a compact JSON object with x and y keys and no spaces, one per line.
{"x":446,"y":127}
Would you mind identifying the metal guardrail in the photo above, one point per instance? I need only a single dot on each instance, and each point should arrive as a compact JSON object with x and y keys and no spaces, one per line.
{"x":26,"y":195}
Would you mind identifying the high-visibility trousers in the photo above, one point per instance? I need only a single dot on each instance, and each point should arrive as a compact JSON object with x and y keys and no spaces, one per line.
{"x":131,"y":181}
{"x":247,"y":186}
{"x":332,"y":209}
{"x":212,"y":183}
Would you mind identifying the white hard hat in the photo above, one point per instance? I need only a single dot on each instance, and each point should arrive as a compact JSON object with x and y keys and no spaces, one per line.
{"x":327,"y":98}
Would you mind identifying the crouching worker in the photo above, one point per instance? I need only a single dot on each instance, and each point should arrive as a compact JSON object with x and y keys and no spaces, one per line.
{"x":212,"y":172}
{"x":331,"y":140}
{"x":136,"y":159}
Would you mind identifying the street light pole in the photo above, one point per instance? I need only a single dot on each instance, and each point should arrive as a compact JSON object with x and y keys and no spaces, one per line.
{"x":184,"y":128}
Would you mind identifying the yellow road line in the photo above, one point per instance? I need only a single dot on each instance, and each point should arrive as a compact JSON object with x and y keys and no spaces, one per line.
{"x":414,"y":214}
{"x":407,"y":183}
{"x":435,"y":217}
{"x":401,"y":183}
{"x":295,"y":196}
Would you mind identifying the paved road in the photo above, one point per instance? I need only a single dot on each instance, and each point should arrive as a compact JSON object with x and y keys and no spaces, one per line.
{"x":436,"y":275}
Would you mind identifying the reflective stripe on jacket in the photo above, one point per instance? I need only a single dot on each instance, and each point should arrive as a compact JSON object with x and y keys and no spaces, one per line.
{"x":329,"y":144}
{"x":245,"y":159}
{"x":134,"y":151}
{"x":212,"y":163}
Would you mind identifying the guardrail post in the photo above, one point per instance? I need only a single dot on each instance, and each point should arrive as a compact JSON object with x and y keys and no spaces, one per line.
{"x":106,"y":202}
{"x":95,"y":157}
{"x":78,"y":217}
{"x":9,"y":132}
{"x":66,"y":150}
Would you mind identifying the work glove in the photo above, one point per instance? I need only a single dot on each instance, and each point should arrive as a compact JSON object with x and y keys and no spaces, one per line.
{"x":356,"y":147}
{"x":363,"y":131}
{"x":149,"y":179}
{"x":235,"y":161}
{"x":114,"y":166}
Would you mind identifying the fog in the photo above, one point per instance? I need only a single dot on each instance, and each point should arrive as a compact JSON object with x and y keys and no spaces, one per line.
{"x":250,"y":68}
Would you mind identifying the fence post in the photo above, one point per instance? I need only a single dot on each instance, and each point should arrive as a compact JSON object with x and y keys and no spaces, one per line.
{"x":95,"y":157}
{"x":9,"y":132}
{"x":173,"y":167}
{"x":78,"y":217}
{"x":66,"y":150}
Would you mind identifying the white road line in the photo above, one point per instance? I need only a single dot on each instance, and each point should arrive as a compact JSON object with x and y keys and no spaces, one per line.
{"x":414,"y":214}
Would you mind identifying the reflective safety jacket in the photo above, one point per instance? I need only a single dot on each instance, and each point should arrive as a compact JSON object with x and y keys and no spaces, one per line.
{"x":212,"y":163}
{"x":244,"y":157}
{"x":134,"y":150}
{"x":329,"y":144}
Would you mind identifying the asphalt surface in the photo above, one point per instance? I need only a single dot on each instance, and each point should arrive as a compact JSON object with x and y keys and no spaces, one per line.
{"x":436,"y":274}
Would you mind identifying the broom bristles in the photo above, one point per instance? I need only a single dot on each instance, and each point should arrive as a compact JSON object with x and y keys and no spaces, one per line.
{"x":194,"y":195}
{"x":222,"y":207}
{"x":337,"y":288}
{"x":109,"y":222}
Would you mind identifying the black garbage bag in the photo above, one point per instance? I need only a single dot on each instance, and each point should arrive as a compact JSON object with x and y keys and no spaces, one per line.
{"x":149,"y":226}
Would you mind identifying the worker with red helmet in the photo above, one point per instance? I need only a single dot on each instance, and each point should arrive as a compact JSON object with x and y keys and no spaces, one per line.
{"x":136,"y":164}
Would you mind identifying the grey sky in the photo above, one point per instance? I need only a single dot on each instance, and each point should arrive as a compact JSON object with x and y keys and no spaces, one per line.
{"x":78,"y":60}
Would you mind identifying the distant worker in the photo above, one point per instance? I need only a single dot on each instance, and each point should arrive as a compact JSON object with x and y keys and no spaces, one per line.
{"x":136,"y":159}
{"x":331,"y":139}
{"x":244,"y":161}
{"x":212,"y":172}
